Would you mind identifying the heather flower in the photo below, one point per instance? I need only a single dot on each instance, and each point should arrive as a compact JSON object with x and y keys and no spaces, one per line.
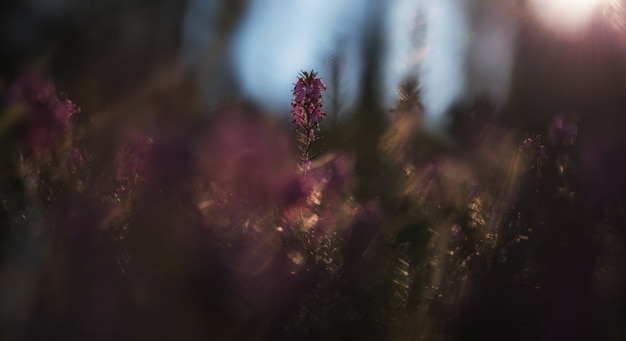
{"x":307,"y":103}
{"x":299,"y":115}
{"x":307,"y":112}
{"x":71,"y":108}
{"x":48,"y":116}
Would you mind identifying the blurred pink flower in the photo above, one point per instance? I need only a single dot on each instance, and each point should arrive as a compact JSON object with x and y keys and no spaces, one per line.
{"x":47,"y":116}
{"x":250,"y":161}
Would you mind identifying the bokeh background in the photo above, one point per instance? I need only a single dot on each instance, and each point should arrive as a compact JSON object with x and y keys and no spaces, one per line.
{"x":469,"y":182}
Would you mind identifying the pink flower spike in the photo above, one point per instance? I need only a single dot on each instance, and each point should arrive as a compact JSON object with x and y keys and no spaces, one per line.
{"x":307,"y":110}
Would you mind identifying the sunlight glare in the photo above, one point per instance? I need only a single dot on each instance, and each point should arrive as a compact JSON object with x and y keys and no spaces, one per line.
{"x":566,"y":16}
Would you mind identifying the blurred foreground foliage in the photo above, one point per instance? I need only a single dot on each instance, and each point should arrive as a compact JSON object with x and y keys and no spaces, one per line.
{"x":143,"y":226}
{"x":145,"y":215}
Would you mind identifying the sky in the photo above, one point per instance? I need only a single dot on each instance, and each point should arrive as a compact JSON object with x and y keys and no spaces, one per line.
{"x":455,"y":48}
{"x":425,"y":39}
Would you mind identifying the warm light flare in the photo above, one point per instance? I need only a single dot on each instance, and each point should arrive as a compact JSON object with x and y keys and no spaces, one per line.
{"x":566,"y":16}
